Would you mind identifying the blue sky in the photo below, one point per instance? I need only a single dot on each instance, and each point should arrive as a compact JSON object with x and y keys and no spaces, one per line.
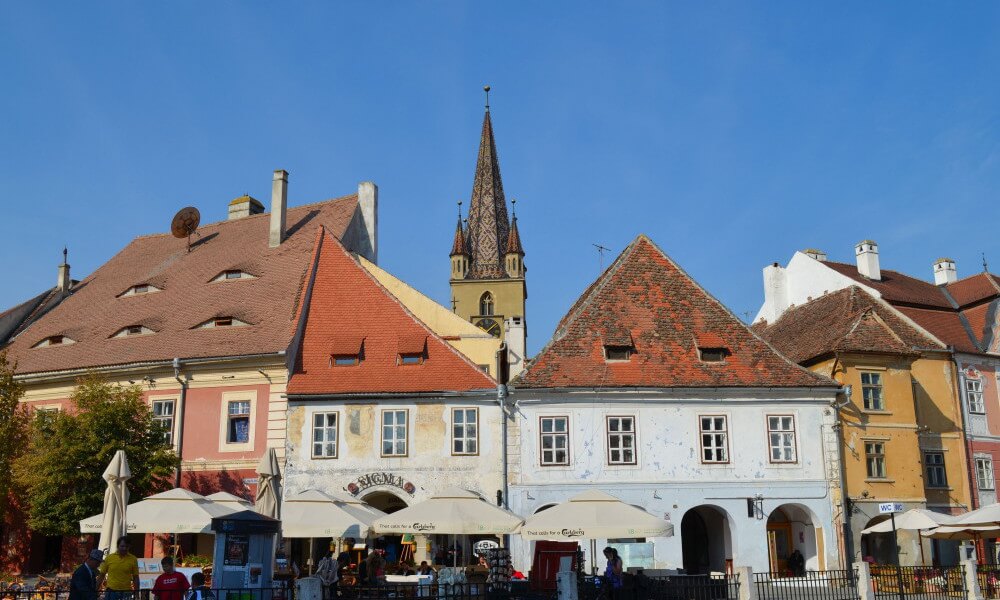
{"x":731,"y":133}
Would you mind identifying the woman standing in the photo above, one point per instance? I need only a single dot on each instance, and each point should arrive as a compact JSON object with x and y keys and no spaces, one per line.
{"x":328,"y":573}
{"x":613,"y":578}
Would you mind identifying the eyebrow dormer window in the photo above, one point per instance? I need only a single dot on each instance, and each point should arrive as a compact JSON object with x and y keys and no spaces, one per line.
{"x":233,"y":274}
{"x":347,"y":350}
{"x":618,"y":353}
{"x":221,"y":322}
{"x":715,"y":355}
{"x":133,"y":330}
{"x":138,"y":290}
{"x":54,"y":340}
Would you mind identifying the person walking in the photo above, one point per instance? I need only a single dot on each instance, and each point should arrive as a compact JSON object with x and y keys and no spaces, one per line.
{"x":171,"y":584}
{"x":199,"y":591}
{"x":120,"y":571}
{"x":83,"y":585}
{"x":328,"y":573}
{"x":613,"y":577}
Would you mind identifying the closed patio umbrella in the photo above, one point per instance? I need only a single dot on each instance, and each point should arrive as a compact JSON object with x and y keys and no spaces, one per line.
{"x":113,"y":523}
{"x":268,"y":502}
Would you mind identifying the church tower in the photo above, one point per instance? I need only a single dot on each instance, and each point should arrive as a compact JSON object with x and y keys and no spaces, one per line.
{"x":487,"y":260}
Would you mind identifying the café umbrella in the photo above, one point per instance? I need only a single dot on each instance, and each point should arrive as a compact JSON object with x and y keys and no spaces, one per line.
{"x":268,"y":501}
{"x":963,"y":532}
{"x":230,"y":500}
{"x":113,"y":525}
{"x":312,"y":514}
{"x":174,"y":511}
{"x":917,"y":518}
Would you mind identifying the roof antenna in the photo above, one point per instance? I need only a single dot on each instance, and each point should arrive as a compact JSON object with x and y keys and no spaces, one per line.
{"x":486,"y":89}
{"x":600,"y":251}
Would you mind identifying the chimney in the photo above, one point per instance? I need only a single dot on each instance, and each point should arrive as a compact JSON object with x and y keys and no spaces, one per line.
{"x":515,"y":338}
{"x":244,"y":206}
{"x":867,"y":254}
{"x":368,"y":204}
{"x":945,"y":271}
{"x":279,"y":207}
{"x":64,"y":282}
{"x":775,"y":293}
{"x":815,"y":254}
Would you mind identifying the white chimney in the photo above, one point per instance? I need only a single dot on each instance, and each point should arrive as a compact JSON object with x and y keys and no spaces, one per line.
{"x":867,"y":254}
{"x":64,"y":282}
{"x":516,"y":337}
{"x":279,"y":207}
{"x":945,"y":271}
{"x":815,"y":254}
{"x":775,"y":293}
{"x":368,"y":204}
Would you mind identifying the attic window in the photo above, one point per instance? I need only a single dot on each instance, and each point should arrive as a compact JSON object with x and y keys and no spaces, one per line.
{"x":411,"y":358}
{"x":713,"y":354}
{"x":133,"y":330}
{"x":54,"y":340}
{"x":345,"y":360}
{"x":137,"y":290}
{"x":233,"y":274}
{"x":221,"y":322}
{"x":618,"y":353}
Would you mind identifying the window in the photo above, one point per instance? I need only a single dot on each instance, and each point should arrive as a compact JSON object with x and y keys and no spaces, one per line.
{"x":163,"y":417}
{"x":974,"y":394}
{"x":138,"y":290}
{"x":221,"y":322}
{"x":411,"y":359}
{"x":713,"y":354}
{"x":554,"y":432}
{"x":984,"y":473}
{"x":621,"y":440}
{"x":612,"y":353}
{"x":54,"y":340}
{"x":934,"y":466}
{"x":394,"y":433}
{"x":781,"y":438}
{"x":324,"y":435}
{"x":875,"y":459}
{"x":871,"y":390}
{"x":714,"y":439}
{"x":232,"y":274}
{"x":132,"y":330}
{"x":486,"y":304}
{"x":464,"y":431}
{"x":346,"y":360}
{"x":239,"y":422}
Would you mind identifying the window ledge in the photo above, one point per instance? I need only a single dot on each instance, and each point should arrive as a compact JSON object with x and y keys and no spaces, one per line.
{"x":869,"y":411}
{"x":934,"y":488}
{"x":879,"y":480}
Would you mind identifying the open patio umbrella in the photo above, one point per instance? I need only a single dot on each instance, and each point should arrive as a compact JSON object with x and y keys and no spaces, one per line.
{"x":592,"y":515}
{"x":963,"y":532}
{"x":312,"y":514}
{"x":987,"y":516}
{"x":230,"y":500}
{"x":917,"y":518}
{"x":268,"y":502}
{"x":113,"y":523}
{"x":174,"y":511}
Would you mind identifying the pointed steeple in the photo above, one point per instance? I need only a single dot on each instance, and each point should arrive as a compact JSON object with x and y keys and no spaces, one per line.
{"x":459,"y":247}
{"x":488,"y":224}
{"x":514,"y":238}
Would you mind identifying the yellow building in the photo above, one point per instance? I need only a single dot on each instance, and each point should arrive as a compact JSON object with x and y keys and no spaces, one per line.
{"x":900,"y":424}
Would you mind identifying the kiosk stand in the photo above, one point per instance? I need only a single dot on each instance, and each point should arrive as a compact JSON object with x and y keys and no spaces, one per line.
{"x":244,"y":555}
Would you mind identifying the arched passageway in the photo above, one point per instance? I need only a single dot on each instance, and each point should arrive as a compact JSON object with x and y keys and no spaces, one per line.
{"x":706,"y":540}
{"x":794,"y":540}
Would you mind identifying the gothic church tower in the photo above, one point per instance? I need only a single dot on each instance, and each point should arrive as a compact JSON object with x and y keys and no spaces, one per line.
{"x":487,"y":260}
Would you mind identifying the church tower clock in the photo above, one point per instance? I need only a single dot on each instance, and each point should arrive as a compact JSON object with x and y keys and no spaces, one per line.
{"x":487,"y":260}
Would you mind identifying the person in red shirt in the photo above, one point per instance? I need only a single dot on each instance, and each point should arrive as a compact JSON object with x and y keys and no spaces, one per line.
{"x":171,"y":584}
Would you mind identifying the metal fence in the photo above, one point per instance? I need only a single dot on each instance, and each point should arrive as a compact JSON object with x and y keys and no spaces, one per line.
{"x":989,"y":581}
{"x":663,"y":587}
{"x":62,"y":593}
{"x":928,"y":583}
{"x":811,"y":585}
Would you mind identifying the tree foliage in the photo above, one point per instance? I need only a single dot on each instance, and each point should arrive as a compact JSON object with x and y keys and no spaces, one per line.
{"x":68,"y":451}
{"x":14,"y":422}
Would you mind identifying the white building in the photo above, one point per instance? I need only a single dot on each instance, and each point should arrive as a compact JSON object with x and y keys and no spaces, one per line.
{"x":652,"y":391}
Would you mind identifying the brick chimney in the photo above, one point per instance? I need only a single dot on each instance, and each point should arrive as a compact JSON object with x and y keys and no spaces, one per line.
{"x":279,"y":208}
{"x":866,"y":252}
{"x":945,"y":271}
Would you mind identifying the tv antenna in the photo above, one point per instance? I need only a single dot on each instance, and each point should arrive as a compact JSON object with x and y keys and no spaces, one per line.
{"x":600,"y":252}
{"x":185,"y":223}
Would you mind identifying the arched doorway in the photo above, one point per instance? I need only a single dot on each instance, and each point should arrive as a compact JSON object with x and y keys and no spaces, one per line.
{"x":396,"y":547}
{"x":386,"y":502}
{"x":706,"y":541}
{"x":879,"y":546}
{"x":791,"y":528}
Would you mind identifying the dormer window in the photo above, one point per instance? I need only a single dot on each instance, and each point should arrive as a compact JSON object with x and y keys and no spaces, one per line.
{"x":711,"y":347}
{"x":346,"y":360}
{"x":347,"y":350}
{"x":133,"y":330}
{"x":233,"y":274}
{"x":618,"y":353}
{"x":222,"y":322}
{"x":54,"y":340}
{"x":715,"y":355}
{"x":138,"y":290}
{"x":411,"y":359}
{"x":412,"y":348}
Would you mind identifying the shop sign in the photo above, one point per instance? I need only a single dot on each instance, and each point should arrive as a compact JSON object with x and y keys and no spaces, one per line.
{"x":368,"y":480}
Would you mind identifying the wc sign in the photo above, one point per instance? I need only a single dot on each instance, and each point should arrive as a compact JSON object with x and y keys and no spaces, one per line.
{"x":889,"y":507}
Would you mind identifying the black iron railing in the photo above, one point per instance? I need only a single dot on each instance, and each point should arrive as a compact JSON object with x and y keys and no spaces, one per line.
{"x":662,"y":587}
{"x":930,"y":583}
{"x":810,"y":585}
{"x":989,"y":581}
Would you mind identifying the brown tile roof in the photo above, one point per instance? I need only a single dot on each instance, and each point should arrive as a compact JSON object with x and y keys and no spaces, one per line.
{"x":973,"y":289}
{"x":848,"y":320}
{"x":348,"y":308}
{"x":664,"y":311}
{"x":94,"y":312}
{"x":896,"y":287}
{"x":514,"y":239}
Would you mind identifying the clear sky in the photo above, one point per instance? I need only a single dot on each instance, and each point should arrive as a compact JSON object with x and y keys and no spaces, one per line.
{"x":731,"y":133}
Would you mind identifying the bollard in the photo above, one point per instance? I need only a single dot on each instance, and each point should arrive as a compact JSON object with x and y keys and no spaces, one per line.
{"x":971,"y":574}
{"x":747,"y":586}
{"x":566,"y":582}
{"x":308,"y":588}
{"x":865,"y":589}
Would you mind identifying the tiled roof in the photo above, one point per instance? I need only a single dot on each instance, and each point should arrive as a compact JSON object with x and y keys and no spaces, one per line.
{"x":973,"y":289}
{"x":848,"y":320}
{"x":348,"y":303}
{"x":945,"y":325}
{"x":664,"y":311}
{"x":514,"y":239}
{"x":488,"y":222}
{"x":896,"y":287}
{"x":15,"y":320}
{"x":458,"y":246}
{"x":94,"y":311}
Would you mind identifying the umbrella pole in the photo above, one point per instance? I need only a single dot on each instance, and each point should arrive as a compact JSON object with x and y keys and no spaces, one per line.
{"x":311,"y":555}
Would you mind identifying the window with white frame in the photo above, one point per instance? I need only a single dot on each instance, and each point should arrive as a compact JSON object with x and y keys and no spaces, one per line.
{"x":554,"y":438}
{"x":974,"y":395}
{"x":163,"y":417}
{"x":871,"y":390}
{"x":238,"y":415}
{"x":464,"y":431}
{"x":324,"y":437}
{"x":875,"y":459}
{"x":781,"y":438}
{"x":621,"y":440}
{"x":393,"y":433}
{"x":934,"y":469}
{"x":714,"y":439}
{"x":984,"y":473}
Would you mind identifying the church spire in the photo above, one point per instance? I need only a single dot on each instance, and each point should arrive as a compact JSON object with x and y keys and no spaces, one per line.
{"x":514,"y":238}
{"x":458,"y":247}
{"x":488,"y":223}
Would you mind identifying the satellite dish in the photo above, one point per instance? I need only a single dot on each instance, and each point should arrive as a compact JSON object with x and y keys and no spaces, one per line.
{"x":185,"y":223}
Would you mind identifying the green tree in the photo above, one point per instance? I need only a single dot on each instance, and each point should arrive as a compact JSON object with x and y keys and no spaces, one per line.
{"x":61,"y":470}
{"x":14,"y":423}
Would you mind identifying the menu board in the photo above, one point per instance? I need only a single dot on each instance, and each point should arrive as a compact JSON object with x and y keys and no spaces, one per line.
{"x":237,"y":551}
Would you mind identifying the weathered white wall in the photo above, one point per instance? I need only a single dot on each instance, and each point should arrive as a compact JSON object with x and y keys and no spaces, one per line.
{"x":803,"y":279}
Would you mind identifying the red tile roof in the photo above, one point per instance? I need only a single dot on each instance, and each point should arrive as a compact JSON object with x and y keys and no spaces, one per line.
{"x":848,"y":320}
{"x":973,"y":289}
{"x":347,"y":302}
{"x":896,"y":287}
{"x":664,"y":311}
{"x":94,"y":311}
